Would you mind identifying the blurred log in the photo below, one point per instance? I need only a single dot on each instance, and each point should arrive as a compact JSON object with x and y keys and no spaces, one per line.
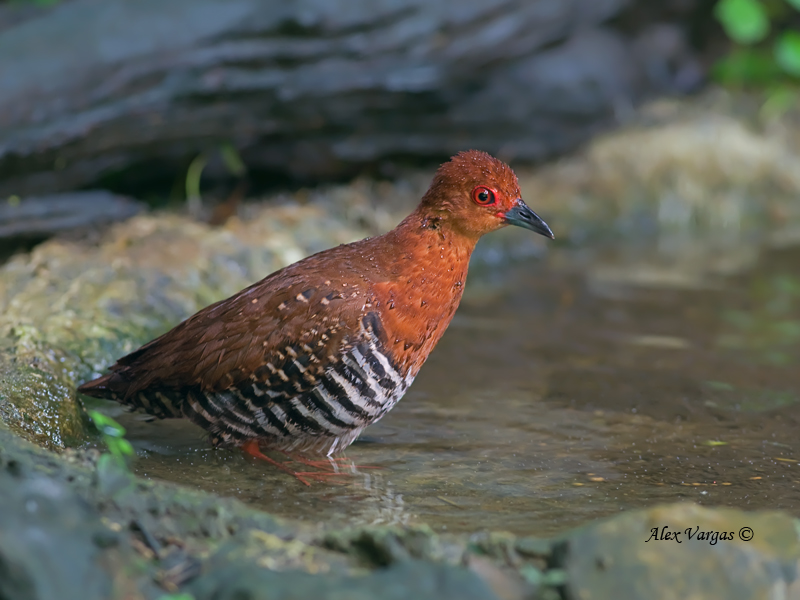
{"x":313,"y":88}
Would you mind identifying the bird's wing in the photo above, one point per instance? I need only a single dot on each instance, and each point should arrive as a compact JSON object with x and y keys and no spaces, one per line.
{"x":288,"y":326}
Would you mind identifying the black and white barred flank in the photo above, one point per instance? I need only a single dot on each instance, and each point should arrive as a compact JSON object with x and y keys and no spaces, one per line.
{"x":294,"y":406}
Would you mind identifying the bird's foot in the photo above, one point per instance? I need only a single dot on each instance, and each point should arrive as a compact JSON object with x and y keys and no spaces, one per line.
{"x":328,"y":467}
{"x":251,"y":448}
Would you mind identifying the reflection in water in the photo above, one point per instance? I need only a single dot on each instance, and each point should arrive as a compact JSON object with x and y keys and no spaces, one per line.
{"x":554,"y":399}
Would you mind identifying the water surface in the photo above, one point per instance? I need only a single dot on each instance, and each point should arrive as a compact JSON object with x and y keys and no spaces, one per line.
{"x":565,"y":389}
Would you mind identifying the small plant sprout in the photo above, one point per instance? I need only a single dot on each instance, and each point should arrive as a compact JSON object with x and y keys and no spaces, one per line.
{"x":113,"y":436}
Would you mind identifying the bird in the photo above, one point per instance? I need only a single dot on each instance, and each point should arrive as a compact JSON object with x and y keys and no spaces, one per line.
{"x":305,"y":359}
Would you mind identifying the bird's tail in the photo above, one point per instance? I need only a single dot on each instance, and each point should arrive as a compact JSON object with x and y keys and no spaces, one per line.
{"x":111,"y":387}
{"x":161,"y":403}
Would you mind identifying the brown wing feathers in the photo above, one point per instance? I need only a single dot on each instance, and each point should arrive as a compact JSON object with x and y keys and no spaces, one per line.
{"x":229,"y":341}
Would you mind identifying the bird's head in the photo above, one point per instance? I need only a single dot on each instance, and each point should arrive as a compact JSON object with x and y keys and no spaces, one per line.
{"x":475,"y":193}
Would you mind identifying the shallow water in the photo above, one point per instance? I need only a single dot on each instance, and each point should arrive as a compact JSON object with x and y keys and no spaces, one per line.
{"x":565,"y":390}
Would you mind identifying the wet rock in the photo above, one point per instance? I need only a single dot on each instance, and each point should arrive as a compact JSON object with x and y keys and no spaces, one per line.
{"x":499,"y":545}
{"x":53,"y":546}
{"x":68,"y":531}
{"x":37,"y":404}
{"x":506,"y":583}
{"x":630,"y":556}
{"x":417,"y":580}
{"x":383,"y":546}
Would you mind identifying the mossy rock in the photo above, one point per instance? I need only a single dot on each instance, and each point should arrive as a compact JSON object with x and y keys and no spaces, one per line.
{"x":36,"y":405}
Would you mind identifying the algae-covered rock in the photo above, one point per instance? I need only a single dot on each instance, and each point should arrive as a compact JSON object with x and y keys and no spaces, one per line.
{"x":38,"y":404}
{"x":54,"y":547}
{"x":383,"y":546}
{"x":405,"y":581}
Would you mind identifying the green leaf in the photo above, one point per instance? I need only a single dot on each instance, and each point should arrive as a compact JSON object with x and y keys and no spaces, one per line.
{"x":745,"y":21}
{"x":106,"y":425}
{"x":193,"y":174}
{"x":787,"y":52}
{"x":120,"y":448}
{"x":795,"y":3}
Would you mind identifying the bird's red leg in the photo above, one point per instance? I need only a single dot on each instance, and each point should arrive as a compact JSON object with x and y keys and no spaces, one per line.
{"x":250,"y":448}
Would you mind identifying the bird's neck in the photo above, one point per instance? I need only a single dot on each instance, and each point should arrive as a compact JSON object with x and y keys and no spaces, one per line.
{"x":426,"y":268}
{"x":423,"y":246}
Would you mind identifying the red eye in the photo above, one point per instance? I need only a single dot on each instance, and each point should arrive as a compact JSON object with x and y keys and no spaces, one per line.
{"x":484,"y":196}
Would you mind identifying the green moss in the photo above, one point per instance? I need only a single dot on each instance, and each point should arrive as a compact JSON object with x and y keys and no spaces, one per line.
{"x":36,"y":405}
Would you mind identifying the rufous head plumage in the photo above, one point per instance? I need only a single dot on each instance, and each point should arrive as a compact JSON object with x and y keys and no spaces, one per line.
{"x":474,"y":193}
